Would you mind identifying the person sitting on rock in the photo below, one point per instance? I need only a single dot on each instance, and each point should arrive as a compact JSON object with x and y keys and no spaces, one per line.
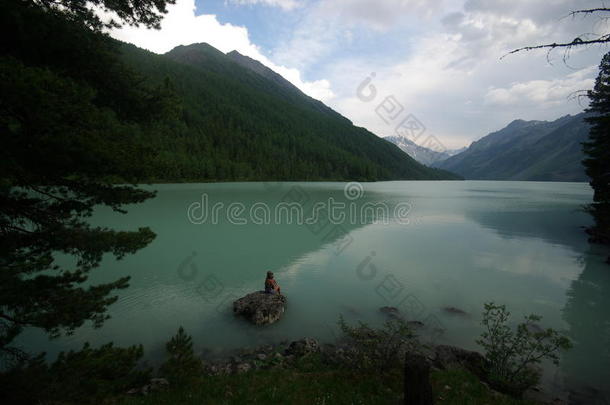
{"x":271,"y":286}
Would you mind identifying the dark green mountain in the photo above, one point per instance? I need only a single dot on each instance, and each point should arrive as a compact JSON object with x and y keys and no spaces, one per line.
{"x":526,"y":150}
{"x":239,"y":120}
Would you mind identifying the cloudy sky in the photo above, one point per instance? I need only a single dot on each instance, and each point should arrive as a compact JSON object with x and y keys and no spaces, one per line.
{"x":438,"y":60}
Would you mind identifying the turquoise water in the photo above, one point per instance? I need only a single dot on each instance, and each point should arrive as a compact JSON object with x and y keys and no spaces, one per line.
{"x":437,"y":244}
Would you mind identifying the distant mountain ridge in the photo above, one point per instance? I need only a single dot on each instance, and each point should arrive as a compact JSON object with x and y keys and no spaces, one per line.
{"x":420,"y":153}
{"x":526,"y":150}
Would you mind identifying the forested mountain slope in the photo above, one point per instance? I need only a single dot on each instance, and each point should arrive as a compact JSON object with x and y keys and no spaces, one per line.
{"x":526,"y":150}
{"x":238,"y":120}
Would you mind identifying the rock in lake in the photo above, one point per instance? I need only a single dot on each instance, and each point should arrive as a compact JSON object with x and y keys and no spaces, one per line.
{"x":415,"y":324}
{"x":455,"y":311}
{"x":391,"y":312}
{"x":303,"y":347}
{"x":260,"y":308}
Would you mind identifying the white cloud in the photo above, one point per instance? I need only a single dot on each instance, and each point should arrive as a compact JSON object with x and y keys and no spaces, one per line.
{"x":286,"y":5}
{"x":542,"y":92}
{"x":450,"y":74}
{"x":182,"y":27}
{"x":327,"y":25}
{"x":380,"y":14}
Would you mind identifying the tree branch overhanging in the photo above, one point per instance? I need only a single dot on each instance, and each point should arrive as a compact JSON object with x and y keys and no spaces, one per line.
{"x":578,"y":41}
{"x":590,"y":11}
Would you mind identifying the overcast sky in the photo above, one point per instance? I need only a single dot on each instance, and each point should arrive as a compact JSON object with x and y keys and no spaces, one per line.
{"x":439,"y":59}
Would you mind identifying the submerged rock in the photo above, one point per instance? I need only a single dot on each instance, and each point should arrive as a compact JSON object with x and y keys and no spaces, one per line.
{"x":260,"y":308}
{"x":351,"y":311}
{"x":534,"y":328}
{"x":303,"y":347}
{"x":391,"y":312}
{"x":455,"y":311}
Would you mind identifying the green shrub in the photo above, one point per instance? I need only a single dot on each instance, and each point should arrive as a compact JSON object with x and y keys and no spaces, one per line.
{"x":379,"y":349}
{"x":512,"y":353}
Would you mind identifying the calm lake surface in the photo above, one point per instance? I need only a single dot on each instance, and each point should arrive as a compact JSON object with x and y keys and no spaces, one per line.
{"x":436,"y":245}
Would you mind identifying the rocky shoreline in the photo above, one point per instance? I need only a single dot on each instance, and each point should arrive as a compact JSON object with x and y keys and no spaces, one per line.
{"x":261,"y":309}
{"x":285,"y":355}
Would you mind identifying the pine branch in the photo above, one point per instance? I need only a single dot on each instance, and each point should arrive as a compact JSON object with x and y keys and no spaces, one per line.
{"x":604,"y":39}
{"x":578,"y":41}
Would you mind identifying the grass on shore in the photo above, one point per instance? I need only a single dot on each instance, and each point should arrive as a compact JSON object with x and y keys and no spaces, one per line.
{"x":311,"y":382}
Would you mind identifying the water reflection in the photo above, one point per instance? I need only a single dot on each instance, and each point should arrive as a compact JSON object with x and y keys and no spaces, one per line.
{"x":556,"y":225}
{"x":585,"y":370}
{"x":587,"y":312}
{"x":469,"y":242}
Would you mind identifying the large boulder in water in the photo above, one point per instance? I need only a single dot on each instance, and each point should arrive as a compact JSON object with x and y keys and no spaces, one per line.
{"x":260,"y":308}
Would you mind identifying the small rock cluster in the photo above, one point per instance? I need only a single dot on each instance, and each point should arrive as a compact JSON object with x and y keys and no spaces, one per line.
{"x":267,"y":356}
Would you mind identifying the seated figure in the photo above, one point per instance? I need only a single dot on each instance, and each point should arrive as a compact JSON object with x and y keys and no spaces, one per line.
{"x":271,"y":286}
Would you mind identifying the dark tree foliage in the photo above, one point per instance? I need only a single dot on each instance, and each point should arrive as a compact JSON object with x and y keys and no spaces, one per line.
{"x":597,"y":150}
{"x":87,"y":376}
{"x":182,"y":364}
{"x":72,"y":117}
{"x":132,"y":12}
